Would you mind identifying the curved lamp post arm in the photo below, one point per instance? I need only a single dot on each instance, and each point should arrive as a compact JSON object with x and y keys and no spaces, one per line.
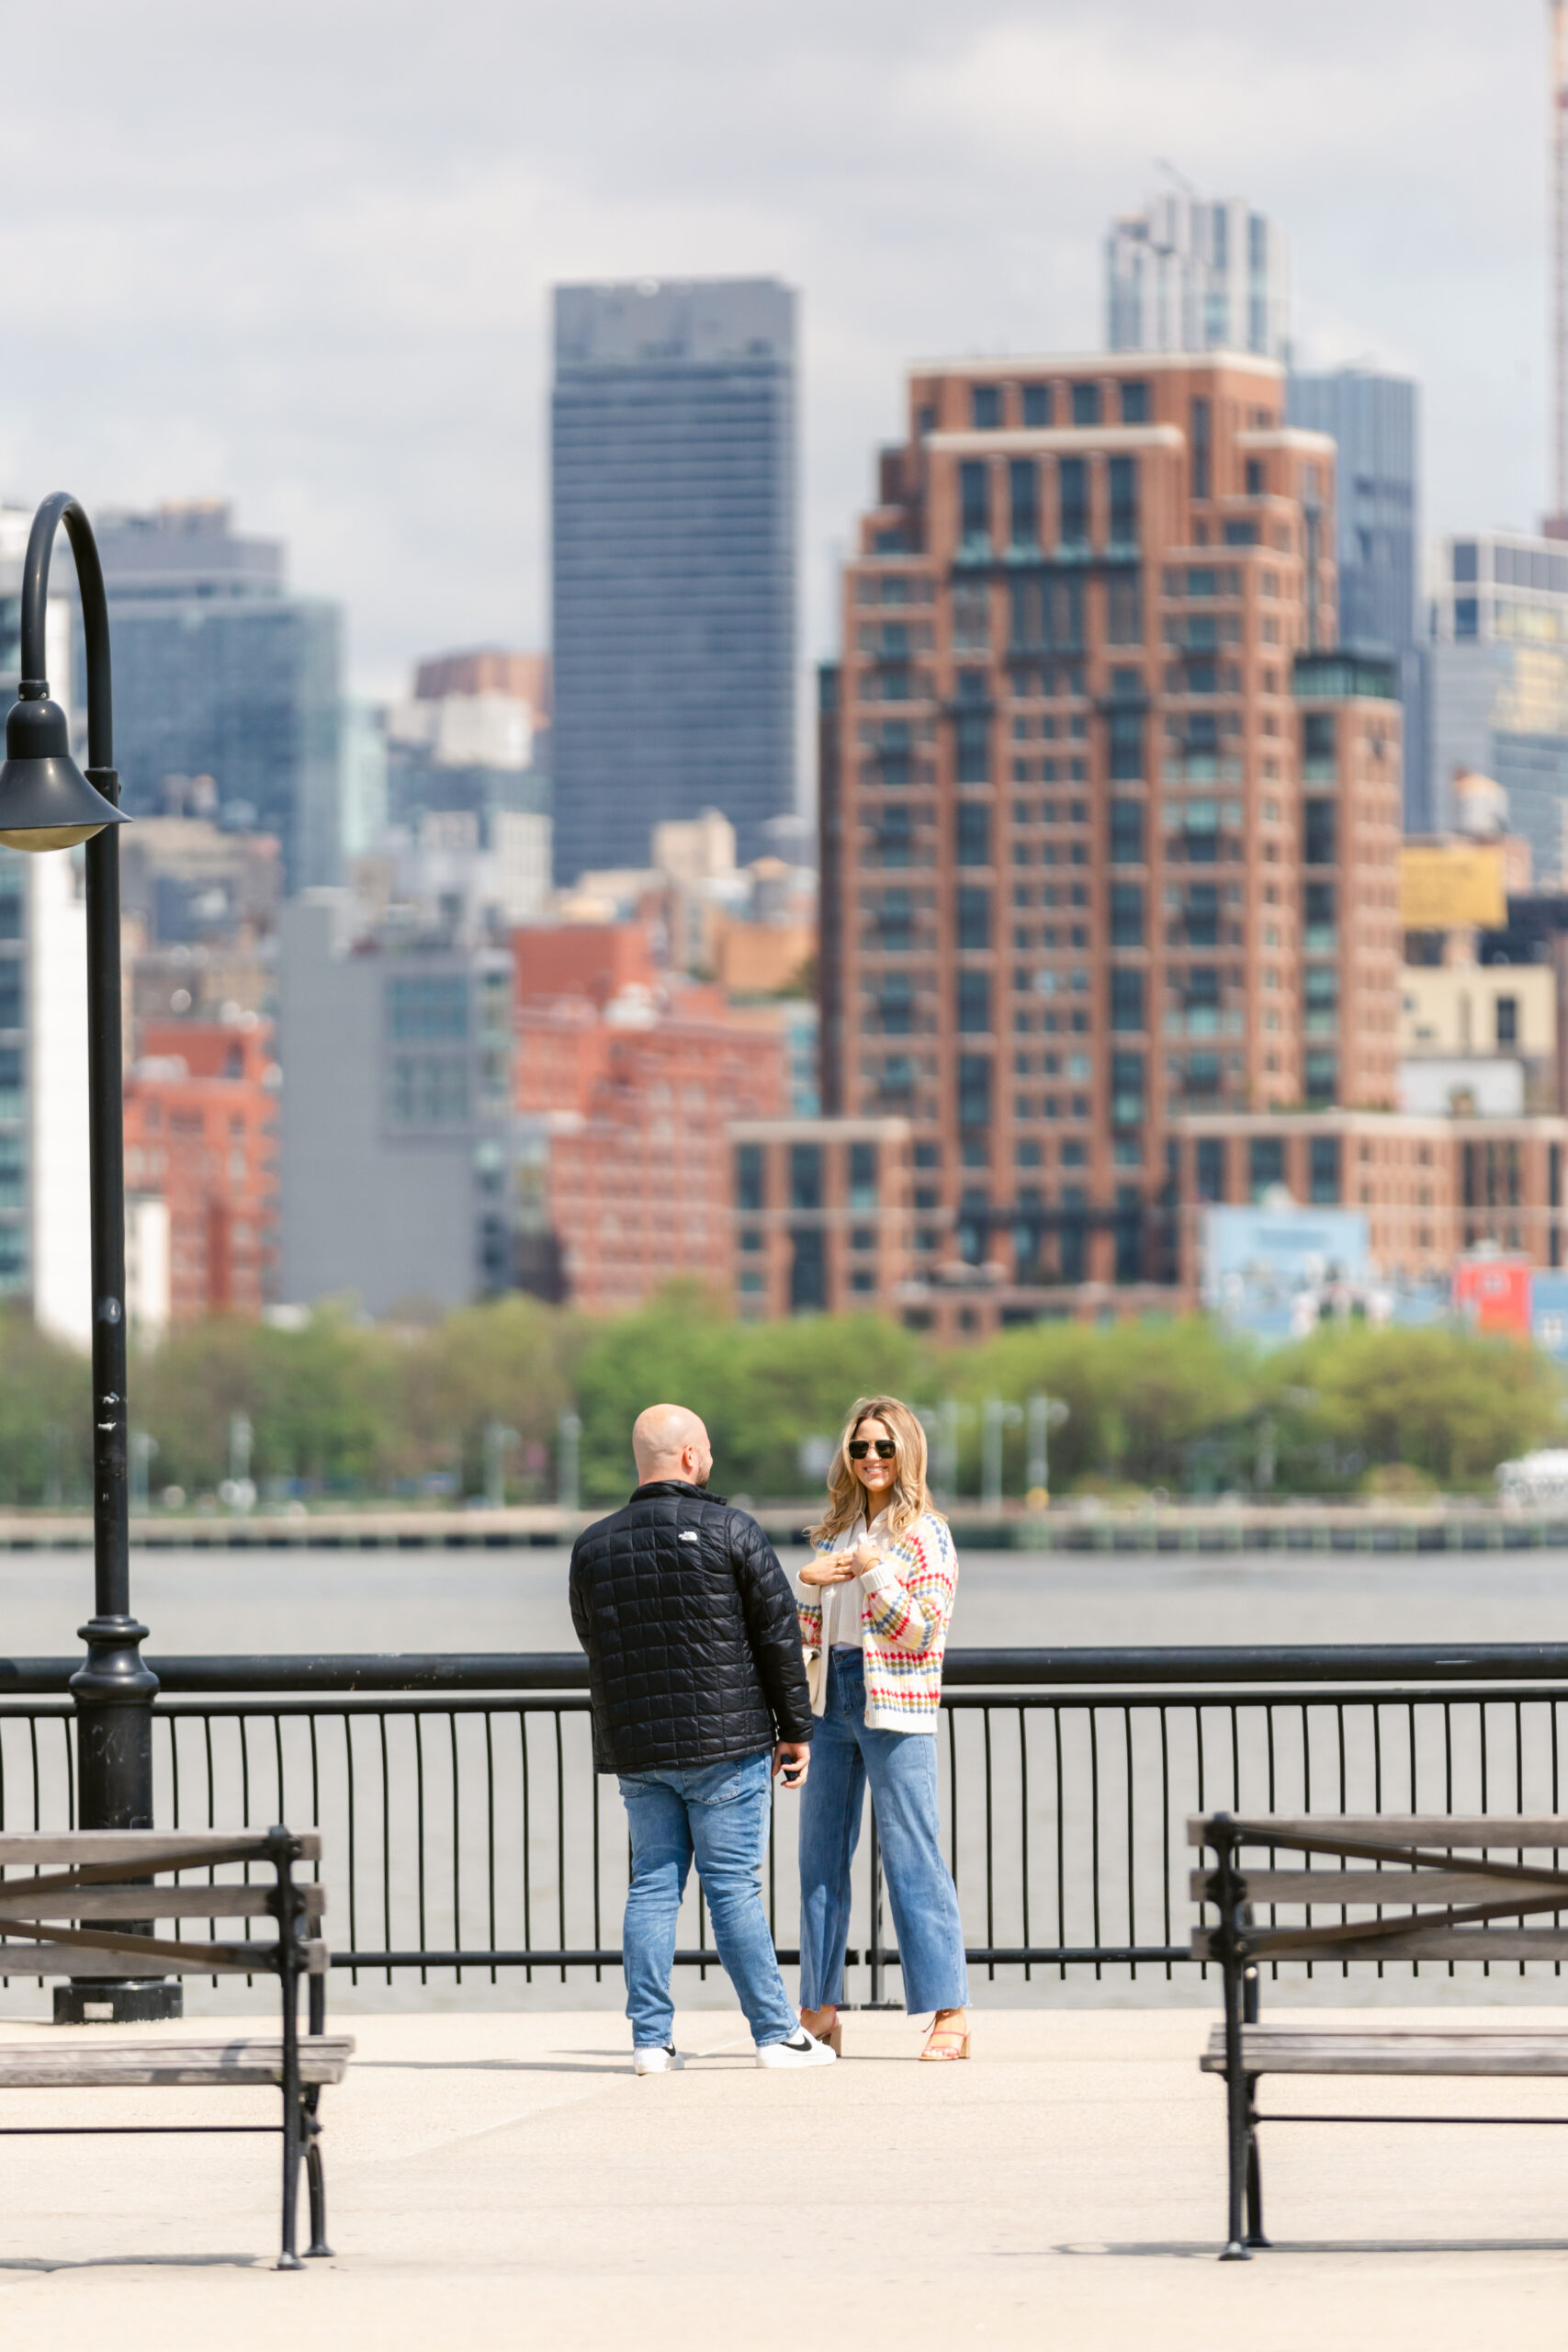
{"x":62,"y":508}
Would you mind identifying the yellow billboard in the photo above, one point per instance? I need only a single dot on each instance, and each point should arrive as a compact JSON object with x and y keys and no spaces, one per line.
{"x":1449,"y":885}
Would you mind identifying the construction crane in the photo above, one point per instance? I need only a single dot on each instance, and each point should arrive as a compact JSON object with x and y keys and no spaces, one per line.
{"x":1557,"y":522}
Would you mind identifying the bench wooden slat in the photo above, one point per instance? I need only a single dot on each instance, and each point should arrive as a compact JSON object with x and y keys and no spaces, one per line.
{"x":132,"y":1958}
{"x":1502,"y":1832}
{"x":29,"y":1848}
{"x":58,"y":2066}
{"x":1290,"y":2049}
{"x":152,"y":1902}
{"x":1392,"y":1888}
{"x":1424,"y":1941}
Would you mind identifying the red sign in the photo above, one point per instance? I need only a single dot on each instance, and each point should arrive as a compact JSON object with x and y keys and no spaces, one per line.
{"x":1494,"y":1294}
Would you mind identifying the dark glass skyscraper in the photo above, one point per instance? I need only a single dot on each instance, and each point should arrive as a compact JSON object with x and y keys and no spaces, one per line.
{"x":1376,"y":420}
{"x":672,"y":448}
{"x":220,"y":671}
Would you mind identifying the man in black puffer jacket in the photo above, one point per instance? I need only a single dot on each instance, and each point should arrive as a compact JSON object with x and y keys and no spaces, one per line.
{"x":699,"y":1699}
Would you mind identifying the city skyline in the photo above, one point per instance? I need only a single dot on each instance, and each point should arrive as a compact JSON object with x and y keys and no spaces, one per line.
{"x":349,"y":339}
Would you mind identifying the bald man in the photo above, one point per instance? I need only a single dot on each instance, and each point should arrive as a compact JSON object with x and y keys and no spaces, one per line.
{"x":700,"y":1701}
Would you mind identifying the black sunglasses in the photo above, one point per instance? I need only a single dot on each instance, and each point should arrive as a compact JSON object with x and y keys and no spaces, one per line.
{"x":859,"y":1447}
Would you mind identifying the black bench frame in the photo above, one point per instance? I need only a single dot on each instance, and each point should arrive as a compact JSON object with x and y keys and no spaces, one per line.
{"x":132,"y":1950}
{"x":1452,"y":1933}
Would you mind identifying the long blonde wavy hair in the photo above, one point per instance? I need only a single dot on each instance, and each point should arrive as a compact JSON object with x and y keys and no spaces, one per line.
{"x":847,"y":1497}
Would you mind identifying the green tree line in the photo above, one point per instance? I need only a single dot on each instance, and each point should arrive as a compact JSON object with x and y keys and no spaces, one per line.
{"x":346,"y":1408}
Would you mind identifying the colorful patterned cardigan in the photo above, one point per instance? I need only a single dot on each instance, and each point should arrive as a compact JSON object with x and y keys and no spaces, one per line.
{"x":904,"y":1620}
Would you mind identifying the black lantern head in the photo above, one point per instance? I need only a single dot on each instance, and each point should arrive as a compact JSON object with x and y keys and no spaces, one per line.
{"x":46,"y":802}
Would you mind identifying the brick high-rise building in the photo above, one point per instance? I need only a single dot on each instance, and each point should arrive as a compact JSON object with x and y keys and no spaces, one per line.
{"x":1106,"y":838}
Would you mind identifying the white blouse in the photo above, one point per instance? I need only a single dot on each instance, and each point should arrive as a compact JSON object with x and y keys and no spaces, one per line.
{"x":841,"y":1616}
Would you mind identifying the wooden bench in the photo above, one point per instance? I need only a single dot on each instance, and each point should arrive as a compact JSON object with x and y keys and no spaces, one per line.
{"x":87,"y":1906}
{"x":1424,"y":1887}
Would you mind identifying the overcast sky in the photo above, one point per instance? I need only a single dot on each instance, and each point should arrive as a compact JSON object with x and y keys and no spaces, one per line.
{"x":297,"y":253}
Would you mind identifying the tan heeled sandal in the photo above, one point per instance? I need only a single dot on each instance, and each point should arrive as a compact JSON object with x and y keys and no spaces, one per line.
{"x":955,"y":2037}
{"x":834,"y":2037}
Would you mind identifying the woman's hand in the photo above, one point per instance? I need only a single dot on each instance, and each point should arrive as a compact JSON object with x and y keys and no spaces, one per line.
{"x":867,"y":1555}
{"x":839,"y":1568}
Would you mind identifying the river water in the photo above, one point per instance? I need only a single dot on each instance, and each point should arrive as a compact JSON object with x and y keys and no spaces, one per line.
{"x":1086,"y":1852}
{"x":205,"y":1602}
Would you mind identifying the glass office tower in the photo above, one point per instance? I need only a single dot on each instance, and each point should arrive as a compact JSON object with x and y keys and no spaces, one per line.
{"x":673,"y":465}
{"x":221,"y":671}
{"x":1375,"y":419}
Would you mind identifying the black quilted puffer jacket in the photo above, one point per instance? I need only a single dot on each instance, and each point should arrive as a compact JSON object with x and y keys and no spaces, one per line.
{"x":692,"y":1641}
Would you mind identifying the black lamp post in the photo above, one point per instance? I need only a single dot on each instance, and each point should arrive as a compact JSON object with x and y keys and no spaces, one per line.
{"x":47,"y":803}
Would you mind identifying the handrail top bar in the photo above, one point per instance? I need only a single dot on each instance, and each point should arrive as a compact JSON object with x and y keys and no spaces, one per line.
{"x":1224,"y":1667}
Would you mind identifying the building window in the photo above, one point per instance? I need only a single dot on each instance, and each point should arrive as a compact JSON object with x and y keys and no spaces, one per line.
{"x":1126,"y":1090}
{"x":1126,"y":914}
{"x":809,"y":1270}
{"x":1466,"y":565}
{"x":11,"y":993}
{"x":1507,"y":1016}
{"x":751,"y":1241}
{"x":1467,"y":614}
{"x":985,"y":407}
{"x":1319,"y":756}
{"x":751,"y":1177}
{"x":1210,"y":1168}
{"x":1265,"y":1163}
{"x":974,"y":1090}
{"x":1135,"y":404}
{"x":1124,"y":609}
{"x":1072,"y":484}
{"x":862,"y":1279}
{"x":974,"y":832}
{"x":970,"y":617}
{"x":975,"y":1003}
{"x":1318,"y":831}
{"x":1320,"y":1077}
{"x":1127,"y":728}
{"x":973,"y":918}
{"x":863,"y":1177}
{"x":1256,"y":483}
{"x":1200,"y":442}
{"x":1124,"y":474}
{"x":429,"y":1090}
{"x":1240,"y":535}
{"x":1023,"y":503}
{"x":972,"y":736}
{"x":975,"y":504}
{"x":1086,"y":405}
{"x":1126,"y":999}
{"x":806,"y":1176}
{"x":1037,"y":406}
{"x":1324,"y":1170}
{"x":1126,"y":832}
{"x":428,"y":1005}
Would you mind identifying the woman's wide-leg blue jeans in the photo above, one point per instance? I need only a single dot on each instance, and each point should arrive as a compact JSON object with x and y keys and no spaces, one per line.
{"x":901,"y":1768}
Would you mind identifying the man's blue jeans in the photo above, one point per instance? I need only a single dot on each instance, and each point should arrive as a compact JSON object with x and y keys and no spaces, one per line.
{"x":901,"y":1767}
{"x":720,"y":1813}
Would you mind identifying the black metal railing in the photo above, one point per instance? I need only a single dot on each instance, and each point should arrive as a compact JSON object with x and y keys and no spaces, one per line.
{"x":465,"y":1830}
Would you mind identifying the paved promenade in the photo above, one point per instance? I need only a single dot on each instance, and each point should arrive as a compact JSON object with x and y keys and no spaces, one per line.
{"x":504,"y":2180}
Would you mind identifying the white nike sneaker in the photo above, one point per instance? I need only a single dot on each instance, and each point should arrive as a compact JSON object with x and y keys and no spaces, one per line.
{"x":656,"y":2058}
{"x":802,"y":2049}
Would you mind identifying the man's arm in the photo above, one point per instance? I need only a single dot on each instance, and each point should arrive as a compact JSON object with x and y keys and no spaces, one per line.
{"x":576,"y":1594}
{"x":773,"y":1626}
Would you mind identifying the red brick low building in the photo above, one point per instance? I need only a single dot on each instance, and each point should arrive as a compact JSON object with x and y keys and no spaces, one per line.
{"x":639,"y":1085}
{"x":201,"y":1132}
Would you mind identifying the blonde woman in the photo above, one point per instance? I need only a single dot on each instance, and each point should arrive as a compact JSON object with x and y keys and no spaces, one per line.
{"x":878,"y":1598}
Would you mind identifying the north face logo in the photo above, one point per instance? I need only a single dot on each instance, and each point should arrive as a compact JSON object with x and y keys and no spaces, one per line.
{"x":689,"y":1535}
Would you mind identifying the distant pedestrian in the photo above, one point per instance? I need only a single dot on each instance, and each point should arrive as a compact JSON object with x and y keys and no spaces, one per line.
{"x":700,"y":1699}
{"x":878,"y":1600}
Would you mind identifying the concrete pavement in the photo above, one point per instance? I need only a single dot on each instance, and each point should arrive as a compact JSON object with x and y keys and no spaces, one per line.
{"x":503,"y":2180}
